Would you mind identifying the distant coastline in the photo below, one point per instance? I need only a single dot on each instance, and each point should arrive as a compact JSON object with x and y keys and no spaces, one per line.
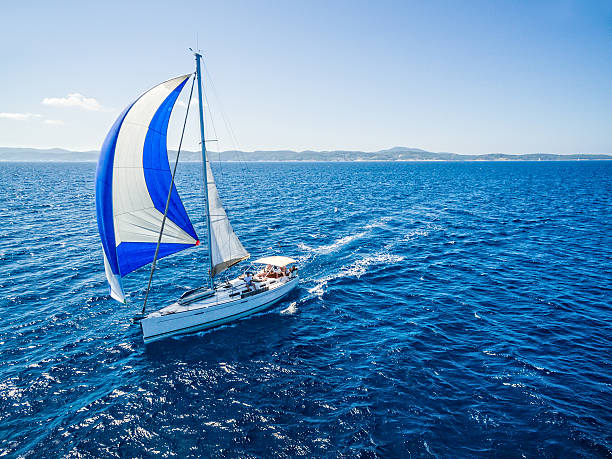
{"x":396,"y":154}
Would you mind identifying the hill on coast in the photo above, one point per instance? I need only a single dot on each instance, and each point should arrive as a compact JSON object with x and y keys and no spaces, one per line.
{"x":392,"y":154}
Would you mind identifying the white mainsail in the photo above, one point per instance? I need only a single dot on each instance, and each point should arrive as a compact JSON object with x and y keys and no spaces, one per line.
{"x":225,"y":248}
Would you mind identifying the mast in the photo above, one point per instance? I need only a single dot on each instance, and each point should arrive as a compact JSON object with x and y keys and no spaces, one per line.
{"x":198,"y":56}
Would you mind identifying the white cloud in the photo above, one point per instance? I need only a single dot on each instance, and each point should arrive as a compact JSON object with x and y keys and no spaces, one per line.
{"x":54,"y":122}
{"x":73,"y":100}
{"x":19,"y":116}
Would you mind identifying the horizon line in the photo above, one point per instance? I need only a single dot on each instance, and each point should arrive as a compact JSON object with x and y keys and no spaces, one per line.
{"x":330,"y":151}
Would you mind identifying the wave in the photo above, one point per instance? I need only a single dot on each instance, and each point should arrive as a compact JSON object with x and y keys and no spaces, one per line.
{"x":356,"y":269}
{"x":422,"y":232}
{"x":414,"y":234}
{"x":337,"y":244}
{"x":291,"y":309}
{"x":325,"y":249}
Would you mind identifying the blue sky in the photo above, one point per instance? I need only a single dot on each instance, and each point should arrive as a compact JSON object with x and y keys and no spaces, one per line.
{"x":465,"y":77}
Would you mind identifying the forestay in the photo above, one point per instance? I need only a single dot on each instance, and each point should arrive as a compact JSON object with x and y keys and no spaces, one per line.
{"x":225,"y":248}
{"x":132,"y":185}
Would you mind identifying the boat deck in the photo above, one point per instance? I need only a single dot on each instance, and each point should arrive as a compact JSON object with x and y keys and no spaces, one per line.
{"x":232,"y":290}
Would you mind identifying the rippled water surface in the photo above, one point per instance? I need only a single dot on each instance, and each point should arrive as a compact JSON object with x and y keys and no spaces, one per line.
{"x":445,"y":309}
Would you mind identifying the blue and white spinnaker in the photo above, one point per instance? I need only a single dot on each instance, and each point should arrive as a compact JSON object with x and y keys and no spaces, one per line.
{"x":132,"y":185}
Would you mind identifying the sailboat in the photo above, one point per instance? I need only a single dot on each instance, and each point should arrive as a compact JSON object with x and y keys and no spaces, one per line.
{"x":141,"y":219}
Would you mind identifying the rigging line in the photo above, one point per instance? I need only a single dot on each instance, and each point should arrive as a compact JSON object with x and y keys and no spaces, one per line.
{"x":220,"y":166}
{"x":228,"y":126}
{"x":212,"y":122}
{"x":225,"y":120}
{"x":219,"y":148}
{"x":210,"y":117}
{"x":161,"y":231}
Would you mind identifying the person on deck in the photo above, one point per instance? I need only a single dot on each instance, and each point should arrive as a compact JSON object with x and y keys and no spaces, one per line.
{"x":248,"y":280}
{"x":260,"y":276}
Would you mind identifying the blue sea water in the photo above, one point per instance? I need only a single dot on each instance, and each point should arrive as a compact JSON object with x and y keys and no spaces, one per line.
{"x":445,"y":310}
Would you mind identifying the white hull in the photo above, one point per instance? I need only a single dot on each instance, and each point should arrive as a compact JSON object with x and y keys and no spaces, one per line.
{"x":228,"y":303}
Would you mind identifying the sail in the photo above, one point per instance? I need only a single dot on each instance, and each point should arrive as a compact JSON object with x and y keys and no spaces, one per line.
{"x":225,"y":248}
{"x":132,"y":184}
